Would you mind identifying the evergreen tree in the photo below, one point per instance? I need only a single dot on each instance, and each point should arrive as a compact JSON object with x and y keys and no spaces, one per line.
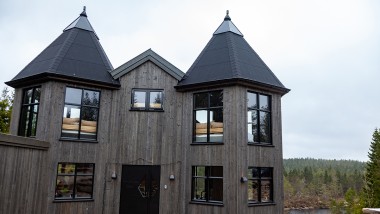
{"x":6,"y":102}
{"x":372,"y":174}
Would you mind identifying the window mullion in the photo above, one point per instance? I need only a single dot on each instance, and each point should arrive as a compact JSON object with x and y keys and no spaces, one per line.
{"x":30,"y":120}
{"x":147,"y":99}
{"x":207,"y":180}
{"x":75,"y":182}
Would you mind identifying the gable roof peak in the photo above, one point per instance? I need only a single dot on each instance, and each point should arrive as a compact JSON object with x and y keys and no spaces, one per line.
{"x":148,"y":55}
{"x":227,"y":26}
{"x":81,"y":22}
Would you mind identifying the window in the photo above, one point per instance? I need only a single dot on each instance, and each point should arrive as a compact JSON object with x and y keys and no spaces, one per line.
{"x":259,"y":118}
{"x":80,"y":115}
{"x":260,"y":185}
{"x":29,"y":112}
{"x":208,"y":117}
{"x":75,"y":181}
{"x":207,"y":184}
{"x":147,"y":99}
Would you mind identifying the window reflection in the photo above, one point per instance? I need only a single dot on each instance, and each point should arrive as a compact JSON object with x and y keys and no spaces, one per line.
{"x":258,"y":118}
{"x":29,"y":112}
{"x":139,"y":99}
{"x":260,"y":184}
{"x":80,"y":114}
{"x":207,"y":184}
{"x":74,"y":181}
{"x":155,"y":99}
{"x":208,"y":117}
{"x":147,"y":99}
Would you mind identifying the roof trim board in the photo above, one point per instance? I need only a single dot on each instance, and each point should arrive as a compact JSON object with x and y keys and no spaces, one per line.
{"x":148,"y":55}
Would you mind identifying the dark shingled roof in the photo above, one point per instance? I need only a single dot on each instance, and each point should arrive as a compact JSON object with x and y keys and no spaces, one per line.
{"x":229,"y":58}
{"x":75,"y":56}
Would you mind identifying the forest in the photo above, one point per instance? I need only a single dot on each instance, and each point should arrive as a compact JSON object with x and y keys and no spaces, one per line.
{"x":318,"y":183}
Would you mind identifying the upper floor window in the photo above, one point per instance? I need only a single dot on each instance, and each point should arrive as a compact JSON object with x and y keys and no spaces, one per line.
{"x":207,"y":184}
{"x":260,"y":185}
{"x":259,"y":118}
{"x":147,"y":99}
{"x":80,"y":115}
{"x":208,"y":117}
{"x":75,"y":181}
{"x":29,"y":112}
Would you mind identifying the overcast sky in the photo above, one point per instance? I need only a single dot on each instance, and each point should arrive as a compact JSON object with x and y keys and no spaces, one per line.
{"x":326,"y":52}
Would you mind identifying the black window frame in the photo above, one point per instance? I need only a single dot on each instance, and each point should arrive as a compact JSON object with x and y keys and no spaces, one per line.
{"x":75,"y":176}
{"x":209,"y":108}
{"x":258,"y":110}
{"x":259,"y":180}
{"x":147,"y":99}
{"x":207,"y":177}
{"x":81,"y":105}
{"x":26,"y":124}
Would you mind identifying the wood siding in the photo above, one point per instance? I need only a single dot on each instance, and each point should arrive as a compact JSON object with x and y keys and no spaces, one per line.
{"x":129,"y":137}
{"x":147,"y":137}
{"x":23,"y":165}
{"x":235,"y":155}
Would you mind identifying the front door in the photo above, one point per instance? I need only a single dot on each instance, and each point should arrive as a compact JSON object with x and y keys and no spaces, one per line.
{"x":140,"y":189}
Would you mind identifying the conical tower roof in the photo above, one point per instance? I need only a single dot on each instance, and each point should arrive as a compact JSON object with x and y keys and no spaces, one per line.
{"x":229,"y":59}
{"x":75,"y":56}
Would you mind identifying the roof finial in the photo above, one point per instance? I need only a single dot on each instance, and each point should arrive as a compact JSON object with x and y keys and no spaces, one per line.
{"x":84,"y":12}
{"x":227,"y":18}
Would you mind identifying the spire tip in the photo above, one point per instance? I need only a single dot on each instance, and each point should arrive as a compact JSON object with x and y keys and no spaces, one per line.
{"x":227,"y":18}
{"x":84,"y":12}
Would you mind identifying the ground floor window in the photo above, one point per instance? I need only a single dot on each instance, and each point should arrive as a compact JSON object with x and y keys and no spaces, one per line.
{"x":75,"y":181}
{"x":260,"y":185}
{"x":207,"y":184}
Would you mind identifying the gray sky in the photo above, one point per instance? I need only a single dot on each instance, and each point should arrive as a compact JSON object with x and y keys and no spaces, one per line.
{"x":326,"y":52}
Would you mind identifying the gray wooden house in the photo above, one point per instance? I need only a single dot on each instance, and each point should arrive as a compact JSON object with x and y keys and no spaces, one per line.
{"x":144,"y":137}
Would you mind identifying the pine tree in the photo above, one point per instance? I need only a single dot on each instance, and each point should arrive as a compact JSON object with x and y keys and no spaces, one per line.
{"x":6,"y":102}
{"x":372,"y":174}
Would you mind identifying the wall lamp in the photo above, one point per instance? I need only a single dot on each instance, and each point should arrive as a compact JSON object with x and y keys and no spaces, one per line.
{"x":243,"y":179}
{"x":114,"y":175}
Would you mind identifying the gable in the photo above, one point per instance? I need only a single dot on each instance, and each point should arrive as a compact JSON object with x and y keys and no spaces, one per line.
{"x":144,"y":57}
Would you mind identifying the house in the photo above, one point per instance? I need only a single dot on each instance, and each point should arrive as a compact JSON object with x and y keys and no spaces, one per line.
{"x":144,"y":137}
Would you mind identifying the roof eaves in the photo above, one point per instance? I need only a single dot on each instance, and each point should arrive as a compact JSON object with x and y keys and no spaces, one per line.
{"x":232,"y":82}
{"x":43,"y":77}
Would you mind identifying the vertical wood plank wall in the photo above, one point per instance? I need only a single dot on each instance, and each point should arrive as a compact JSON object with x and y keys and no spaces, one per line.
{"x":23,"y":166}
{"x":235,"y":155}
{"x":156,"y":138}
{"x":146,"y":137}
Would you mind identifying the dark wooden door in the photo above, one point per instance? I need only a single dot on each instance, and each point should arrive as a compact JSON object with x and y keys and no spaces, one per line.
{"x":140,"y":190}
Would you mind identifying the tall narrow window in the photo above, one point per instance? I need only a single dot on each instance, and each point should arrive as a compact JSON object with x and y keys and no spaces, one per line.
{"x":259,"y":118}
{"x":208,"y":117}
{"x":80,"y":115}
{"x":207,"y":184}
{"x":29,"y":112}
{"x":75,"y":181}
{"x":147,"y":99}
{"x":260,"y":185}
